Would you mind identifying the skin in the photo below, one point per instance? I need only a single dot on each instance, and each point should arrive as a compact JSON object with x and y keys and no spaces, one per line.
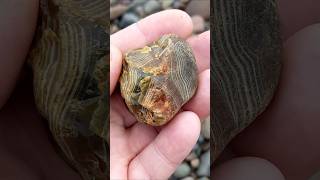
{"x":25,"y":142}
{"x":135,"y":147}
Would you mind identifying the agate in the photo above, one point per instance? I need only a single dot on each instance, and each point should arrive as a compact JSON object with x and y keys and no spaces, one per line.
{"x":245,"y":66}
{"x":159,"y":79}
{"x":69,"y":61}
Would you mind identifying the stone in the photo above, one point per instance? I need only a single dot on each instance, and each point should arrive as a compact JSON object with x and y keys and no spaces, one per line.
{"x":152,"y":6}
{"x":188,"y":178}
{"x":205,"y":128}
{"x":204,"y":178}
{"x":117,"y":10}
{"x":114,"y":29}
{"x":205,"y":146}
{"x":195,"y":163}
{"x":182,"y":171}
{"x":69,"y":59}
{"x":198,"y":24}
{"x":113,"y":2}
{"x":128,"y":19}
{"x":201,"y":8}
{"x":244,"y":83}
{"x":191,"y":156}
{"x":139,"y":10}
{"x":166,"y":4}
{"x":204,"y":168}
{"x":157,"y":80}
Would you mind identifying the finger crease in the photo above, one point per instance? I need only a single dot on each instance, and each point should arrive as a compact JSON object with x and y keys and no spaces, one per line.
{"x":172,"y":164}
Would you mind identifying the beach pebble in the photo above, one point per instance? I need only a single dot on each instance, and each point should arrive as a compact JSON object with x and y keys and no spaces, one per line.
{"x":117,"y":10}
{"x":188,"y":178}
{"x":204,"y":168}
{"x":128,"y":19}
{"x":205,"y":128}
{"x":182,"y":171}
{"x":198,"y":24}
{"x":195,"y":163}
{"x":166,"y":4}
{"x":199,"y":7}
{"x":152,"y":6}
{"x":204,"y":178}
{"x":191,"y":156}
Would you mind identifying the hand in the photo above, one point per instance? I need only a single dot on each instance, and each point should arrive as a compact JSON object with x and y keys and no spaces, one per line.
{"x":139,"y":151}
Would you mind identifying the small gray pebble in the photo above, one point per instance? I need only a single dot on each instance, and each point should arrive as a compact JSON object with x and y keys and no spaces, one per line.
{"x":197,"y":150}
{"x":152,"y":6}
{"x":117,"y":10}
{"x":201,"y":139}
{"x":204,"y":168}
{"x":128,"y":19}
{"x":205,"y":146}
{"x":195,"y":147}
{"x":204,"y":178}
{"x":112,"y":2}
{"x":182,"y":171}
{"x":205,"y":126}
{"x":139,"y":10}
{"x":191,"y":156}
{"x":195,"y":163}
{"x":167,"y":4}
{"x":188,"y":178}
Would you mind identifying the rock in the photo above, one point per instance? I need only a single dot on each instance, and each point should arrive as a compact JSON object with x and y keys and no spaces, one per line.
{"x":204,"y":178}
{"x":191,"y":156}
{"x":114,"y":29}
{"x":117,"y":10}
{"x":152,"y":6}
{"x":204,"y":168}
{"x":128,"y":19}
{"x":112,"y":2}
{"x":201,"y":8}
{"x":180,"y":4}
{"x":205,"y":128}
{"x":201,"y":139}
{"x":196,"y":149}
{"x":198,"y":24}
{"x":167,"y":4}
{"x":205,"y":146}
{"x":182,"y":171}
{"x":195,"y":163}
{"x":188,"y":178}
{"x":139,"y":10}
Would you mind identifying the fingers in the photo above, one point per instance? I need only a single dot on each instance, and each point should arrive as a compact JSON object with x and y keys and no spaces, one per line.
{"x":115,"y":66}
{"x":161,"y":157}
{"x":200,"y":45}
{"x":139,"y":136}
{"x":151,"y":28}
{"x":200,"y":103}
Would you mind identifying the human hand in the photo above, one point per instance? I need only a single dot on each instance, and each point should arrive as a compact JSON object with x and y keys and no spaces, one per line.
{"x":139,"y":151}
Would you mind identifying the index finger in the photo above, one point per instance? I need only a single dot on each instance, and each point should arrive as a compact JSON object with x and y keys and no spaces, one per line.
{"x":151,"y":28}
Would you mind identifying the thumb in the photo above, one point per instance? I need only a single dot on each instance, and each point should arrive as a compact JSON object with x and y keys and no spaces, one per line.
{"x":115,"y":66}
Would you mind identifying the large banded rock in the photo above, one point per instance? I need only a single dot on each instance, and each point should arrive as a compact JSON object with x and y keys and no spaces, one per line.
{"x":69,"y":62}
{"x":246,"y":65}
